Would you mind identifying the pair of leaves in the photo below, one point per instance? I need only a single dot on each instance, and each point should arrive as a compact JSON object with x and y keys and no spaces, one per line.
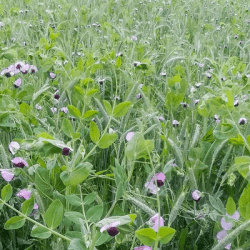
{"x":105,"y":141}
{"x":120,"y":109}
{"x":77,"y":175}
{"x":148,"y":236}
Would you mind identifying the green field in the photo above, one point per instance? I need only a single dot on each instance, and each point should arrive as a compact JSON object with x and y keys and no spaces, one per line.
{"x":124,"y":125}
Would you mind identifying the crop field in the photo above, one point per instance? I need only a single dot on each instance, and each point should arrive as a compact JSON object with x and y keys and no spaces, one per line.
{"x":124,"y":125}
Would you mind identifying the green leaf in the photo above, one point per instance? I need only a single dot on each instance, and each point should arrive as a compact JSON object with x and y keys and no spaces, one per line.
{"x":73,"y":111}
{"x":88,"y":115}
{"x":104,"y":237}
{"x":74,"y":216}
{"x":123,"y":220}
{"x":73,"y":234}
{"x":94,"y":213}
{"x":89,"y":198}
{"x":121,"y":109}
{"x":242,"y":164}
{"x":94,"y":132}
{"x":230,"y":207}
{"x":67,"y":128}
{"x":107,"y":140}
{"x":244,"y":203}
{"x":28,"y":206}
{"x":147,"y":236}
{"x":77,"y":244}
{"x":14,"y":223}
{"x":165,"y":234}
{"x":217,"y":204}
{"x":6,"y":192}
{"x":41,"y":91}
{"x":77,"y":176}
{"x":42,"y":180}
{"x":118,"y":62}
{"x":54,"y":213}
{"x":40,"y":232}
{"x":138,"y":147}
{"x":73,"y":200}
{"x":108,"y":107}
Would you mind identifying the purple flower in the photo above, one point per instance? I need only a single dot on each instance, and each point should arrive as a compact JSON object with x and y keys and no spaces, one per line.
{"x":24,"y":193}
{"x":138,"y":96}
{"x":242,"y":121}
{"x":184,"y":104}
{"x":201,"y":65}
{"x":38,"y":107}
{"x":7,"y":174}
{"x":143,"y":248}
{"x":52,"y":75}
{"x":208,"y":75}
{"x":223,"y":78}
{"x":228,"y":225}
{"x":134,"y":38}
{"x":161,"y":118}
{"x":25,"y":68}
{"x":197,"y":85}
{"x":136,"y":63}
{"x":160,"y":178}
{"x":129,"y":136}
{"x":154,"y":220}
{"x":222,"y":235}
{"x":163,"y":74}
{"x":151,"y":187}
{"x":111,"y":228}
{"x":19,"y":162}
{"x":101,"y":81}
{"x":64,"y":110}
{"x":33,"y":69}
{"x":196,"y":195}
{"x":65,"y":151}
{"x":14,"y":147}
{"x":236,"y":37}
{"x":175,"y":123}
{"x":18,"y":83}
{"x":236,"y":103}
{"x":119,"y":54}
{"x":53,"y":110}
{"x":196,"y":102}
{"x":56,"y":96}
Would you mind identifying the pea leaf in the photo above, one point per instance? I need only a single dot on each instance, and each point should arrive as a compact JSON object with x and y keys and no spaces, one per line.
{"x":40,"y":232}
{"x":165,"y":234}
{"x":147,"y":236}
{"x":14,"y":223}
{"x":67,"y":128}
{"x":244,"y":203}
{"x":107,"y":140}
{"x":94,"y":132}
{"x":77,"y":176}
{"x":6,"y":192}
{"x":54,"y":213}
{"x":230,"y":207}
{"x":73,"y":111}
{"x":121,"y":109}
{"x":94,"y":213}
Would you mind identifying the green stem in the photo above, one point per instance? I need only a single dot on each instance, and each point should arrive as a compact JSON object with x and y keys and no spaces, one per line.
{"x":35,"y":222}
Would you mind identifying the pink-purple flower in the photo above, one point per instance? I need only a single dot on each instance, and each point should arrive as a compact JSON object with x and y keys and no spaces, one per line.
{"x":155,"y":221}
{"x":64,"y":110}
{"x":160,"y":178}
{"x":151,"y":187}
{"x":111,"y":228}
{"x":18,"y":83}
{"x":14,"y":147}
{"x":24,"y":193}
{"x":228,"y":225}
{"x":7,"y":174}
{"x":52,"y":75}
{"x":196,"y":195}
{"x":129,"y":136}
{"x":143,"y":248}
{"x":221,"y":235}
{"x":19,"y":162}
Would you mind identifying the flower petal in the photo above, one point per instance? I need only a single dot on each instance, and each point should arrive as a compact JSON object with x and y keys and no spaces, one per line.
{"x":221,"y":235}
{"x":225,"y":225}
{"x":143,"y":248}
{"x":24,"y":193}
{"x":7,"y":174}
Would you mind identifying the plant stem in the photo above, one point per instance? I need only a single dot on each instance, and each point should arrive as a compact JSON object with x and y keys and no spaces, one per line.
{"x":35,"y":222}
